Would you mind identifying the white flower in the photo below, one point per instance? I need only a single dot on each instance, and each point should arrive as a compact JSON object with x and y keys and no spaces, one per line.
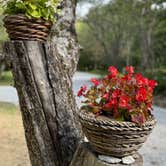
{"x":19,"y":1}
{"x":48,"y":4}
{"x":4,"y":3}
{"x":53,"y":4}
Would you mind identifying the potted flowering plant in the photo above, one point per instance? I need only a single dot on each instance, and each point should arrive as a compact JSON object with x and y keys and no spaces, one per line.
{"x":29,"y":19}
{"x":117,"y":114}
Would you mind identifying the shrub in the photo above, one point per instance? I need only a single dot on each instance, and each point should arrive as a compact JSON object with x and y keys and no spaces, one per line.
{"x":32,"y":8}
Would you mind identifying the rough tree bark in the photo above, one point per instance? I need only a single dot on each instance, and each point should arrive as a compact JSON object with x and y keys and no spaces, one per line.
{"x":42,"y":74}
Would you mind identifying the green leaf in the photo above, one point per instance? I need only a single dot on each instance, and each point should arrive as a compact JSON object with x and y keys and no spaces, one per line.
{"x":34,"y":13}
{"x":98,"y":100}
{"x":121,"y":118}
{"x":35,"y":8}
{"x":32,"y":6}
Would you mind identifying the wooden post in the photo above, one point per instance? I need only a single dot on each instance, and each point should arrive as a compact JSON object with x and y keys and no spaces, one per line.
{"x":85,"y":156}
{"x":43,"y":74}
{"x":46,"y":101}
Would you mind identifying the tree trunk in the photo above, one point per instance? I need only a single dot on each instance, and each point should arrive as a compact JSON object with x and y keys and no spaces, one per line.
{"x":147,"y":60}
{"x":42,"y":74}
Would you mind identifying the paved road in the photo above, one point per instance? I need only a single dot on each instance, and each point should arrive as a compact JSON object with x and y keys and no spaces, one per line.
{"x":154,"y":151}
{"x":8,"y":94}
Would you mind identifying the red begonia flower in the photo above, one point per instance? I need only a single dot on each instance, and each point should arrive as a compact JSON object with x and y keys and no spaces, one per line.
{"x":141,"y":95}
{"x":124,"y":101}
{"x":130,"y":70}
{"x":113,"y":71}
{"x":94,"y":81}
{"x":81,"y":91}
{"x":141,"y":81}
{"x":106,"y":96}
{"x":149,"y":106}
{"x":112,"y":103}
{"x":126,"y":77}
{"x":115,"y":93}
{"x":152,"y":83}
{"x":131,"y":92}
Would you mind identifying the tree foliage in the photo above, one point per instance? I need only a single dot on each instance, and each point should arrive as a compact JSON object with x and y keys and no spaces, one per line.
{"x":3,"y":35}
{"x":36,"y":8}
{"x":122,"y":32}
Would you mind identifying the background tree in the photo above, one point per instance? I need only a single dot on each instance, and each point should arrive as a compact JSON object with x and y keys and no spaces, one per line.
{"x":125,"y":32}
{"x":160,"y":38}
{"x":3,"y":37}
{"x":122,"y":33}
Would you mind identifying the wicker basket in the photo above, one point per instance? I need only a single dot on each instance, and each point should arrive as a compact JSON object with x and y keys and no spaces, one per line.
{"x":114,"y":138}
{"x":20,"y":27}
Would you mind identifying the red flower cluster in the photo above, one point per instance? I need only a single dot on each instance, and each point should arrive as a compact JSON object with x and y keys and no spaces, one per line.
{"x":113,"y":71}
{"x":141,"y":95}
{"x":125,"y":97}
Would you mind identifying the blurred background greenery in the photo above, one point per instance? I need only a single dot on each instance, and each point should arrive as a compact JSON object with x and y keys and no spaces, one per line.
{"x":110,"y":32}
{"x":124,"y":32}
{"x":119,"y":33}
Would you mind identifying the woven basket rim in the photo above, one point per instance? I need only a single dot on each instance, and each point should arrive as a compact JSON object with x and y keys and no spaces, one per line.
{"x":19,"y":26}
{"x":23,"y":16}
{"x":105,"y":121}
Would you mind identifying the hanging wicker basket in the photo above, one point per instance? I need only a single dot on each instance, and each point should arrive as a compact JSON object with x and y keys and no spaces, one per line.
{"x":114,"y":138}
{"x":20,"y":27}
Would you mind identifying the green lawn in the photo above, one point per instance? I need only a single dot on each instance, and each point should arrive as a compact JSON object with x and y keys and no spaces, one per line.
{"x":7,"y":78}
{"x":8,"y":108}
{"x":100,"y":72}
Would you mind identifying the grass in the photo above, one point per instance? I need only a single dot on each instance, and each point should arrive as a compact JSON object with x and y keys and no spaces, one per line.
{"x":100,"y":72}
{"x":8,"y":108}
{"x":7,"y":78}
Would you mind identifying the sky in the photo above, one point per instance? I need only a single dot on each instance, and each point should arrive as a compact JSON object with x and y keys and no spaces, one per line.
{"x":83,"y":8}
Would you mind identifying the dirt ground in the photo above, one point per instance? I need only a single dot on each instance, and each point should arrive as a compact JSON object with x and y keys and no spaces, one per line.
{"x":13,"y":150}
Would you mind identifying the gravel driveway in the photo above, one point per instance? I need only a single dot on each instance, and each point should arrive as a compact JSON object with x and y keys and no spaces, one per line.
{"x":154,"y":150}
